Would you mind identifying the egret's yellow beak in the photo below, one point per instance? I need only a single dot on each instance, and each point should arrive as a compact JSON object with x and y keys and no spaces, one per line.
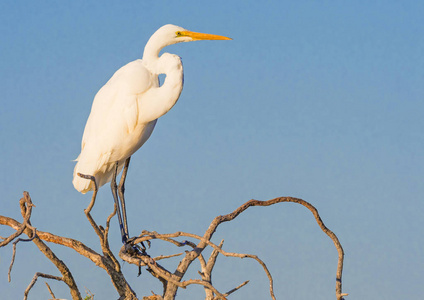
{"x":196,"y":36}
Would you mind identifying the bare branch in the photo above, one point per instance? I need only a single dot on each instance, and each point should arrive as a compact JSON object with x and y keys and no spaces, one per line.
{"x":14,"y":254}
{"x":209,"y":243}
{"x":93,"y":180}
{"x":213,"y":257}
{"x":318,"y":219}
{"x":220,"y":219}
{"x":26,"y":215}
{"x":90,"y":207}
{"x":166,"y":256}
{"x":205,"y":240}
{"x":103,"y":235}
{"x":110,"y":263}
{"x":171,"y":281}
{"x":160,"y":271}
{"x":106,"y":262}
{"x":50,"y":290}
{"x":236,"y":288}
{"x":34,"y":280}
{"x":106,"y":232}
{"x":207,"y":269}
{"x":78,"y":246}
{"x":13,"y":236}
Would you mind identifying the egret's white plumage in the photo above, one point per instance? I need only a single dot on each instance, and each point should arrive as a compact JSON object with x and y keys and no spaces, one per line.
{"x":125,"y":110}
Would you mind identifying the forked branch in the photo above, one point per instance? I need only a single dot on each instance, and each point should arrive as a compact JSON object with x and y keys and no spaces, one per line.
{"x":34,"y":280}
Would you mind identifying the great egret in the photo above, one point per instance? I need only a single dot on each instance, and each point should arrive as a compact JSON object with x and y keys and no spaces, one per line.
{"x":125,"y":111}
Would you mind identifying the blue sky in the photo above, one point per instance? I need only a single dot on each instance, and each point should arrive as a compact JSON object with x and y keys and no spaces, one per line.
{"x":312,"y":99}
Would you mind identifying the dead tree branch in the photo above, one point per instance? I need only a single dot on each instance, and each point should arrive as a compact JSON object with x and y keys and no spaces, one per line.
{"x":171,"y":280}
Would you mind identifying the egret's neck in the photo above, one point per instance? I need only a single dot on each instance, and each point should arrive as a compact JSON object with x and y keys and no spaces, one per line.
{"x":152,"y":50}
{"x":151,"y":55}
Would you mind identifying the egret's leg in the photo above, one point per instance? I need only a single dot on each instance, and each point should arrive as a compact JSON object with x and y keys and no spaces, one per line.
{"x":113,"y":187}
{"x":121,"y":191}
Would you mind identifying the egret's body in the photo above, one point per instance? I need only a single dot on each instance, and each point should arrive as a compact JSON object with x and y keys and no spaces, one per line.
{"x":125,"y":110}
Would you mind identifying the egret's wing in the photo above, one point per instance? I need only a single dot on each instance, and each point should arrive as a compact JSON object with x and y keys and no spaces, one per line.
{"x":115,"y":109}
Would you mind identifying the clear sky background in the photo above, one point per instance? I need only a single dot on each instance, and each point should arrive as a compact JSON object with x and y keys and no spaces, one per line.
{"x":321,"y":100}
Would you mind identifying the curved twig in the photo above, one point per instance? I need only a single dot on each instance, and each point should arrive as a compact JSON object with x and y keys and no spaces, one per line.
{"x":314,"y":211}
{"x":14,"y":252}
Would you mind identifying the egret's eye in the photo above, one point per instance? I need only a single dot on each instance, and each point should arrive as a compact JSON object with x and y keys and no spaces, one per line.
{"x":179,"y":33}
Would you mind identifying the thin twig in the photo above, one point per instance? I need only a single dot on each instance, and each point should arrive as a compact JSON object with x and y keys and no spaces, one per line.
{"x":213,"y":257}
{"x":93,"y":180}
{"x":106,"y":233}
{"x":166,"y":256}
{"x":236,"y":288}
{"x":34,"y":280}
{"x":14,"y":253}
{"x":50,"y":290}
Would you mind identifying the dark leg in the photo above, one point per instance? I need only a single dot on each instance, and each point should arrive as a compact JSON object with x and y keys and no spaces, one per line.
{"x":121,"y":191}
{"x":115,"y":198}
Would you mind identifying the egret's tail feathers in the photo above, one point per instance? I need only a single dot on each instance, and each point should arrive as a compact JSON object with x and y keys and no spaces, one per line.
{"x":103,"y":176}
{"x":82,"y":185}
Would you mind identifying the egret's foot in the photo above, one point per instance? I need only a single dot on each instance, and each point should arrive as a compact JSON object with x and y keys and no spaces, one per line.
{"x":134,"y":249}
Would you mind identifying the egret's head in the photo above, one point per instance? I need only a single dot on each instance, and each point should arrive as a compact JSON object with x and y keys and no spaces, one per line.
{"x":172,"y":34}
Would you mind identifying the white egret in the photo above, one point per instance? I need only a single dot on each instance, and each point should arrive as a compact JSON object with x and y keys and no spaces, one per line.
{"x":125,"y":111}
